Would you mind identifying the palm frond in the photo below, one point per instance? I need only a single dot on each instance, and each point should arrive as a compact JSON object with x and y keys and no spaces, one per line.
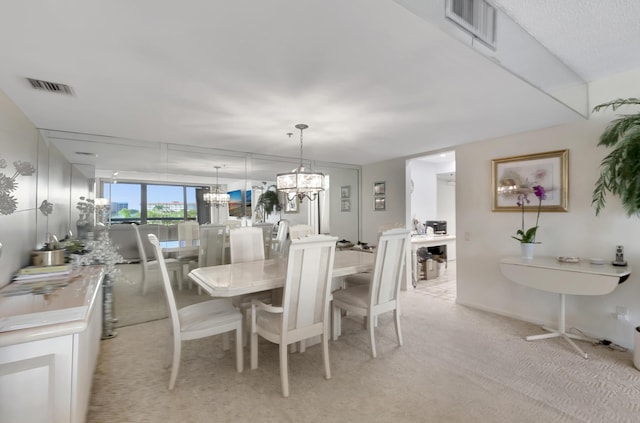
{"x":617,"y":103}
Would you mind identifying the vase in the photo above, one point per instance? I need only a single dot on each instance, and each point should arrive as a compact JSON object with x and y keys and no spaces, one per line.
{"x":526,"y":250}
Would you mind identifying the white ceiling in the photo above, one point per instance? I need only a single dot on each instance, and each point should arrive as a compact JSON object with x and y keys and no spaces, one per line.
{"x":371,"y":79}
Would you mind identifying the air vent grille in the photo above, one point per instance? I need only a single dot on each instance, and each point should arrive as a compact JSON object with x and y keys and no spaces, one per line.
{"x":475,"y":16}
{"x":52,"y":87}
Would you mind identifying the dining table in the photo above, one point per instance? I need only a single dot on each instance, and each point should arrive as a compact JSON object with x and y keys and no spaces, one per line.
{"x":230,"y":280}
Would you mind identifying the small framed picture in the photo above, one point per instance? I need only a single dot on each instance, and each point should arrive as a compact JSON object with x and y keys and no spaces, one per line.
{"x":379,"y":189}
{"x":291,"y":205}
{"x":345,"y":191}
{"x":345,"y":205}
{"x":379,"y":203}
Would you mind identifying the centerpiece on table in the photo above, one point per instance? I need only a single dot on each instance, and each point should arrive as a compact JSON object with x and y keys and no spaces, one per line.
{"x":527,"y":237}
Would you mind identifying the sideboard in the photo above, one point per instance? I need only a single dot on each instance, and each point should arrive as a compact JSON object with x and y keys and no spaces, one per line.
{"x":49,"y":346}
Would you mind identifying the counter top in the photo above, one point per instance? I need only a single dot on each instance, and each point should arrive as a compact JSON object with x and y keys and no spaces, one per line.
{"x":548,"y":274}
{"x":65,"y":310}
{"x":424,"y":239}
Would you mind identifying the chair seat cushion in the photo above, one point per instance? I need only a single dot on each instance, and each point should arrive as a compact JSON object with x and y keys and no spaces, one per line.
{"x":272,"y":322}
{"x":358,"y":279}
{"x":356,"y":296}
{"x":200,"y":316}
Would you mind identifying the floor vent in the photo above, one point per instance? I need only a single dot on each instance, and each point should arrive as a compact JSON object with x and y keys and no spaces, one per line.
{"x":52,"y":87}
{"x":475,"y":16}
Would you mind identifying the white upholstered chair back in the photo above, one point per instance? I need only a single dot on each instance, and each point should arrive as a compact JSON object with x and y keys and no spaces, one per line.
{"x":300,"y":231}
{"x":246,"y":244}
{"x":267,"y":230}
{"x":212,"y":245}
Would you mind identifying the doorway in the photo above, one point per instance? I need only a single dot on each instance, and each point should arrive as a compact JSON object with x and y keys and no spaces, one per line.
{"x":432,"y":199}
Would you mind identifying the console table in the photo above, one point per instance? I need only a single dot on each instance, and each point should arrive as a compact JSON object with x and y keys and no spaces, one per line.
{"x":548,"y":274}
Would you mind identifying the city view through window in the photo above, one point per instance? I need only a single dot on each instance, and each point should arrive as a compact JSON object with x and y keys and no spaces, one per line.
{"x":148,"y":203}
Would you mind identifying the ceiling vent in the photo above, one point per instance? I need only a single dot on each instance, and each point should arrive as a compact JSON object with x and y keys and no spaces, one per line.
{"x":475,"y":16}
{"x":52,"y":87}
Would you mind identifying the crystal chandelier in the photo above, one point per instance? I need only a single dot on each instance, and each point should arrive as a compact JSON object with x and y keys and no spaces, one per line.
{"x":300,"y":182}
{"x":216,"y":198}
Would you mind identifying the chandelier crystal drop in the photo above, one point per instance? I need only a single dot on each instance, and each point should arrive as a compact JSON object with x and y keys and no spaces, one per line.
{"x":300,"y":182}
{"x":217,"y":198}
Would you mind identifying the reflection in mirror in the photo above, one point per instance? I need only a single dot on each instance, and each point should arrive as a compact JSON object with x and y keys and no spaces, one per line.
{"x":144,"y":170}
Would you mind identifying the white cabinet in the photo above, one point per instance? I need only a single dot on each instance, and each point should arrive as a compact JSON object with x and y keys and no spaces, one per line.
{"x":49,"y":352}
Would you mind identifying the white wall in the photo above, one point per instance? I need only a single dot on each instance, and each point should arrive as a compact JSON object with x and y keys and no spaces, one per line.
{"x":18,"y":142}
{"x":432,"y":199}
{"x":446,"y":205}
{"x":575,"y":233}
{"x":394,"y":174}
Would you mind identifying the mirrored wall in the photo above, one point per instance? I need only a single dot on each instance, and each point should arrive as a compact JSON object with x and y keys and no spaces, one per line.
{"x":93,"y":161}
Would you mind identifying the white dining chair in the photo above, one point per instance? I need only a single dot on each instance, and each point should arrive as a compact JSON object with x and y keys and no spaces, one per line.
{"x":212,"y":249}
{"x":364,"y":278}
{"x":198,"y":320}
{"x":233,"y":224}
{"x":300,"y":231}
{"x":188,"y":232}
{"x":305,"y":311}
{"x":172,"y":265}
{"x":246,"y":244}
{"x":267,"y":230}
{"x":381,"y":294}
{"x":279,"y":245}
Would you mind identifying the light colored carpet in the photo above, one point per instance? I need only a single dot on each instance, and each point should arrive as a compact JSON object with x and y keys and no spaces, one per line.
{"x":457,"y":365}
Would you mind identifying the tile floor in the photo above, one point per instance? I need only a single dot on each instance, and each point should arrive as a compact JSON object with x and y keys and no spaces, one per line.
{"x":442,"y":286}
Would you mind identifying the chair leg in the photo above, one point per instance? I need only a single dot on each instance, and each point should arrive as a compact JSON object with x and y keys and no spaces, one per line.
{"x":178,"y":274}
{"x":239,"y":348}
{"x":371,"y":325}
{"x":176,"y":361}
{"x":396,"y":314}
{"x":254,"y":350}
{"x":337,"y":323}
{"x":284,"y":369}
{"x":325,"y":354}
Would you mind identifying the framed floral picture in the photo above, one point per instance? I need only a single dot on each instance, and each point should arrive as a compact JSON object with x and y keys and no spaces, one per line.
{"x":514,"y":179}
{"x":345,"y":191}
{"x":345,"y":205}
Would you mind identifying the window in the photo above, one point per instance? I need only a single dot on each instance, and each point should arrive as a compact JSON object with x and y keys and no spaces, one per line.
{"x":150,"y":203}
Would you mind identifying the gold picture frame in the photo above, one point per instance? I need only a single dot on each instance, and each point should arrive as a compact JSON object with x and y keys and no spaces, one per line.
{"x":515,"y":176}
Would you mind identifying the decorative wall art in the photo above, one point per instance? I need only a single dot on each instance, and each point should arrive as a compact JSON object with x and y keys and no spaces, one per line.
{"x":379,"y":199}
{"x":515,"y":176}
{"x":8,"y":184}
{"x":345,"y":205}
{"x":291,"y":205}
{"x":345,"y":191}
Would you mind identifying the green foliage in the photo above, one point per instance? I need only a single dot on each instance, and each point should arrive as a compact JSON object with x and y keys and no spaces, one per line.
{"x":620,"y":169}
{"x":268,"y":201}
{"x":526,"y":237}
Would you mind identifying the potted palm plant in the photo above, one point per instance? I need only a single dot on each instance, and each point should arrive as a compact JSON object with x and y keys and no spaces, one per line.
{"x":620,"y":169}
{"x":268,"y":202}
